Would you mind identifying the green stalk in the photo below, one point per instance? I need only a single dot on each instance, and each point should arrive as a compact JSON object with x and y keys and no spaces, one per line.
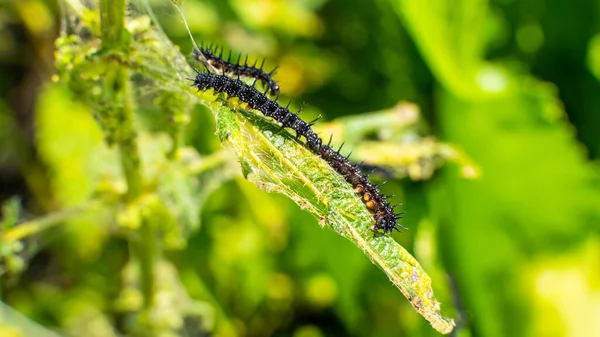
{"x":120,"y":96}
{"x":40,"y":224}
{"x":147,"y":251}
{"x":112,"y":19}
{"x":127,"y":138}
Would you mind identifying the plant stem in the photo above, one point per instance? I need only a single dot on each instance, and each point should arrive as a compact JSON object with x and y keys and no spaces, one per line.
{"x":46,"y":222}
{"x":112,"y":19}
{"x":119,"y":94}
{"x":147,"y":248}
{"x":127,"y":139}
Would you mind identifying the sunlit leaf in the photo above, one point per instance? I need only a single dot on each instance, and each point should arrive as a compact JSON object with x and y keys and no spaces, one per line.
{"x":276,"y":162}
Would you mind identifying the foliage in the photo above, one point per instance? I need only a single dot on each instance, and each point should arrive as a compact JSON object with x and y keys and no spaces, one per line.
{"x":137,"y":221}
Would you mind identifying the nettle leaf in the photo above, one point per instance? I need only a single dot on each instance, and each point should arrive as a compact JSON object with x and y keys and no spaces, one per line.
{"x":277,"y":162}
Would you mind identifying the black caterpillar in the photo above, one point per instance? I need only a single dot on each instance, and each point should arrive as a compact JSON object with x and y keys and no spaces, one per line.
{"x":385,"y":218}
{"x":226,"y":67}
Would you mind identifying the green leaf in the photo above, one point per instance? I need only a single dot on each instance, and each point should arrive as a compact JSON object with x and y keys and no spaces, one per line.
{"x":451,"y":38}
{"x":537,"y":193}
{"x":277,"y":162}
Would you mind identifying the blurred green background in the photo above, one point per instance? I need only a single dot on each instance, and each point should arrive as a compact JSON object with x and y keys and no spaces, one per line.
{"x":515,"y":251}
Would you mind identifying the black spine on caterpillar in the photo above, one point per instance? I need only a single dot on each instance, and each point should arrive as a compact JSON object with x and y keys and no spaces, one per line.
{"x":385,"y":218}
{"x":227,"y":67}
{"x":383,"y":212}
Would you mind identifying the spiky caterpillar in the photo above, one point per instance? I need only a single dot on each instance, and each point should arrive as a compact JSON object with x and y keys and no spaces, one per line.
{"x":208,"y":56}
{"x":383,"y":212}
